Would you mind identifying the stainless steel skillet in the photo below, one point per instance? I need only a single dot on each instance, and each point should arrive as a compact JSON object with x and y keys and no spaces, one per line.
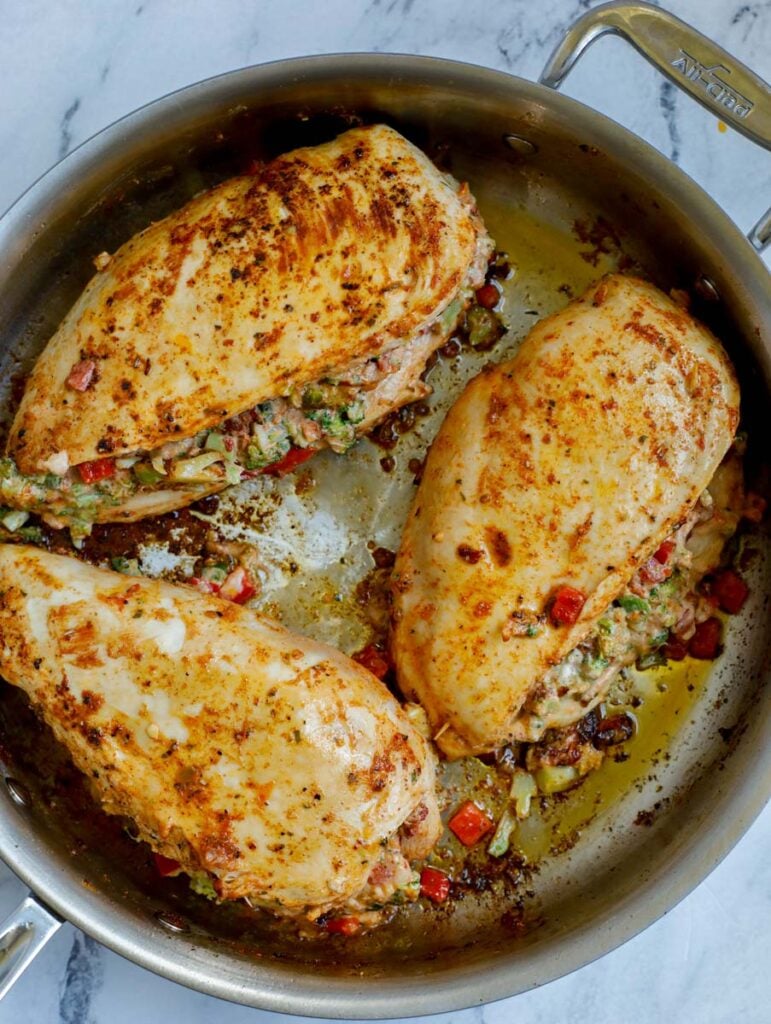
{"x":540,"y":163}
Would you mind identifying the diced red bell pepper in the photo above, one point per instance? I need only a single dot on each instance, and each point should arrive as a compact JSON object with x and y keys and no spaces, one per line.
{"x":730,"y":590}
{"x":664,"y":551}
{"x":566,"y":606}
{"x":343,"y":925}
{"x":488,"y":296}
{"x":99,"y":469}
{"x":165,"y":866}
{"x":654,"y":571}
{"x":293,"y":458}
{"x":675,"y":649}
{"x":374,"y":659}
{"x":435,"y":885}
{"x":470,"y":823}
{"x":238,"y":586}
{"x":705,"y":642}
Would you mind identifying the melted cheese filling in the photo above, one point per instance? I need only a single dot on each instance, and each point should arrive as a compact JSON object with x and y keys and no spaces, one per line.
{"x":331,"y":412}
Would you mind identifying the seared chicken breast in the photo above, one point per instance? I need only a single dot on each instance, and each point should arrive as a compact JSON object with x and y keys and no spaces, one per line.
{"x":274,"y":314}
{"x":553,"y":479}
{"x":273,"y":767}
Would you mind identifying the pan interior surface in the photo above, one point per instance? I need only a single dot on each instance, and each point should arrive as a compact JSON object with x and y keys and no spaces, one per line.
{"x":577,"y":200}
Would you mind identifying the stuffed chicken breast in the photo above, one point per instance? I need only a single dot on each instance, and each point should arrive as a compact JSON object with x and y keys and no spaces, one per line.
{"x":268,"y":766}
{"x":277,"y":313}
{"x":548,"y":543}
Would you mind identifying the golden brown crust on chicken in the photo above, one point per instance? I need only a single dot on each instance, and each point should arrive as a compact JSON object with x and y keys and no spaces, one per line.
{"x":568,"y":466}
{"x":274,"y":763}
{"x":325,"y":256}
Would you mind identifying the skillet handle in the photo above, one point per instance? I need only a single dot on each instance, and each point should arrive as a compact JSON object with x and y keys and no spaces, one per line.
{"x":22,"y":935}
{"x":694,"y":63}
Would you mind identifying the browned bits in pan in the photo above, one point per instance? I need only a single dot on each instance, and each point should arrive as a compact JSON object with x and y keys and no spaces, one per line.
{"x":614,"y":730}
{"x":383,"y":558}
{"x":387,"y":433}
{"x":416,"y":467}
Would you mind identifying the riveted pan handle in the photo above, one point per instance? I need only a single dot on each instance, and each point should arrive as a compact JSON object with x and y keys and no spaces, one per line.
{"x":694,"y":63}
{"x":22,"y":935}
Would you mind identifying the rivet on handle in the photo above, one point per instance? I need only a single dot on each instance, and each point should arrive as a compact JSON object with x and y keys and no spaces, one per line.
{"x":172,"y":922}
{"x":19,"y":792}
{"x":707,"y":288}
{"x":520,"y":144}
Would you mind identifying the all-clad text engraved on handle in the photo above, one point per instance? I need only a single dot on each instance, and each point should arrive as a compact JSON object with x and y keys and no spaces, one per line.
{"x":720,"y":91}
{"x":714,"y":78}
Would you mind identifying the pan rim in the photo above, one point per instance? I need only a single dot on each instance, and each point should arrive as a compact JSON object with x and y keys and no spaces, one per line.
{"x":21,"y":847}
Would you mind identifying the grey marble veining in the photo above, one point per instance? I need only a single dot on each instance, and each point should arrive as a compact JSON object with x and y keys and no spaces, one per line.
{"x":70,"y":67}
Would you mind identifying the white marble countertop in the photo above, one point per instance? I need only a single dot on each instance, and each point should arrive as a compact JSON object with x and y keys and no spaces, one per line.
{"x":70,"y":67}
